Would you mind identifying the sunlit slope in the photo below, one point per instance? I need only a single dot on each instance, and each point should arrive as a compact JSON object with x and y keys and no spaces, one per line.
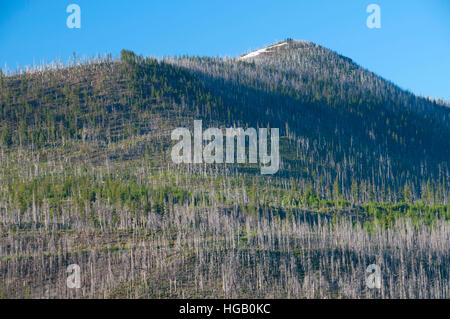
{"x":337,"y":120}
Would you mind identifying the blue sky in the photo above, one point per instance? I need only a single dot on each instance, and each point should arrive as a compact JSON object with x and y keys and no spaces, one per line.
{"x":412,"y":48}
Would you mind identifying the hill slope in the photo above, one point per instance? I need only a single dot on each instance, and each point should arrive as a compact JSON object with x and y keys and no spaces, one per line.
{"x":86,"y":177}
{"x":339,"y":120}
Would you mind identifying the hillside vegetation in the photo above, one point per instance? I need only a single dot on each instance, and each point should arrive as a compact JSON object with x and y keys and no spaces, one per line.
{"x":86,"y":177}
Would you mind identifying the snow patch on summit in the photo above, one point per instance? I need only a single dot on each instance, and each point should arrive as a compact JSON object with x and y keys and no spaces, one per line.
{"x":263,"y":50}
